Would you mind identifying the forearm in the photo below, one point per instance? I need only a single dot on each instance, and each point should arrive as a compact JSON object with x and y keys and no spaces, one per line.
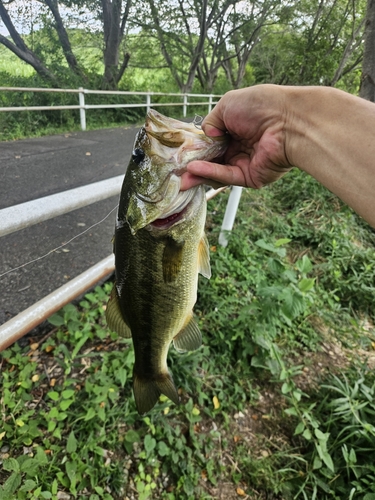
{"x":331,"y":135}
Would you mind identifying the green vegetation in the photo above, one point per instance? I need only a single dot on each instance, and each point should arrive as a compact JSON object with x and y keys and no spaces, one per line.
{"x":299,"y":43}
{"x":277,"y":404}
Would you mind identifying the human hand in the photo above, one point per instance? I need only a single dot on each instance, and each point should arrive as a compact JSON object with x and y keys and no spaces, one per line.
{"x":256,"y":120}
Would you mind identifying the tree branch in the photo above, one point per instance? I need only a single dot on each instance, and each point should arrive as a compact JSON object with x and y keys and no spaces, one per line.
{"x":64,"y":39}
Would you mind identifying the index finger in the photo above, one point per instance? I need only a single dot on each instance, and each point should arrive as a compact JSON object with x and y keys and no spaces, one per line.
{"x":225,"y":175}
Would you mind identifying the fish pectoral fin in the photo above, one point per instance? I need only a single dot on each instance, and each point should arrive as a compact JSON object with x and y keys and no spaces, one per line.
{"x":172,"y":259}
{"x":115,"y":320}
{"x":189,"y":338}
{"x":204,"y":258}
{"x":147,"y":391}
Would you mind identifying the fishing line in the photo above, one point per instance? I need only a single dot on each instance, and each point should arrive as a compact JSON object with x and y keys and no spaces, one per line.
{"x":60,"y":246}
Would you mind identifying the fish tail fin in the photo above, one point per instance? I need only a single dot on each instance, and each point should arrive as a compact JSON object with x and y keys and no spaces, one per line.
{"x":147,"y":391}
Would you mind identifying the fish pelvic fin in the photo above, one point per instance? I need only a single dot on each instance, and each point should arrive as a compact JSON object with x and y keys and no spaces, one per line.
{"x":114,"y":317}
{"x":204,"y":258}
{"x":147,"y":391}
{"x":189,"y":338}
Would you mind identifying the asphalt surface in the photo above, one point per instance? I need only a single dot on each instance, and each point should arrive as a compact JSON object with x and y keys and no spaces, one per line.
{"x":32,"y":168}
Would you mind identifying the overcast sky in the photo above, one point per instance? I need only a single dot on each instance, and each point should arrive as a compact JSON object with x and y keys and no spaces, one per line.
{"x":23,"y":11}
{"x":19,"y":20}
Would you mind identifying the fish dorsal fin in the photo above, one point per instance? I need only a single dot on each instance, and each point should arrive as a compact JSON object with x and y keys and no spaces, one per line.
{"x":114,"y":316}
{"x":189,"y":338}
{"x":147,"y":391}
{"x":172,"y":259}
{"x":204,"y":258}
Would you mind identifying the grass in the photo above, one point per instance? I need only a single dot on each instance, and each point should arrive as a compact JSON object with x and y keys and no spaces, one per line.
{"x":277,"y":404}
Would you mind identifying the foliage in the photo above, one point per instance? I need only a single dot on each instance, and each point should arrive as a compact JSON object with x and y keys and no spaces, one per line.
{"x":322,"y":44}
{"x":228,"y":45}
{"x":266,"y":407}
{"x":210,"y":46}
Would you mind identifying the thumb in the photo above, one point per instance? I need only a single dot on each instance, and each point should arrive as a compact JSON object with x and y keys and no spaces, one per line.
{"x":213,"y":125}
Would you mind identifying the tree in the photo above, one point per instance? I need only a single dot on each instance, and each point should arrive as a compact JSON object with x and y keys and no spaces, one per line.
{"x":113,"y":15}
{"x":367,"y":89}
{"x":20,"y":48}
{"x":181,"y":29}
{"x":243,"y":31}
{"x":198,"y":38}
{"x":321,"y":45}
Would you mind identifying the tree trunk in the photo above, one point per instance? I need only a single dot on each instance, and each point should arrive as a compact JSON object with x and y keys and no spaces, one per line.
{"x":367,"y":90}
{"x":114,"y":27}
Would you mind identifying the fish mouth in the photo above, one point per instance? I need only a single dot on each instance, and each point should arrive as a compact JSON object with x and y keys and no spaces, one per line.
{"x":175,"y":211}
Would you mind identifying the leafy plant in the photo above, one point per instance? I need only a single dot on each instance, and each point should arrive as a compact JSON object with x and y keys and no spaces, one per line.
{"x":265,"y":411}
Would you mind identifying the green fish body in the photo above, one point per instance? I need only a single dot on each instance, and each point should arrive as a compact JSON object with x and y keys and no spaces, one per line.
{"x":160,"y":247}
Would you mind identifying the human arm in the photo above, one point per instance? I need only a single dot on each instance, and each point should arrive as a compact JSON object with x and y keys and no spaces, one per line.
{"x":326,"y":132}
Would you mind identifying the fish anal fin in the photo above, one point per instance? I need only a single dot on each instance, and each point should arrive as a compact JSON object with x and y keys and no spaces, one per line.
{"x":204,"y":258}
{"x":189,"y":338}
{"x":172,"y":259}
{"x":147,"y":391}
{"x":115,"y":320}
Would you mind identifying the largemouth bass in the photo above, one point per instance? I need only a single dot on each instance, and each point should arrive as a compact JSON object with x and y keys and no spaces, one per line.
{"x":160,"y":247}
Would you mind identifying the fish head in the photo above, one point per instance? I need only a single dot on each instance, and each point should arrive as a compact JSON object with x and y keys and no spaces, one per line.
{"x":163,"y":147}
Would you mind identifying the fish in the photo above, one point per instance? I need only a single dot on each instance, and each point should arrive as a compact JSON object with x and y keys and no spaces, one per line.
{"x":160,"y":247}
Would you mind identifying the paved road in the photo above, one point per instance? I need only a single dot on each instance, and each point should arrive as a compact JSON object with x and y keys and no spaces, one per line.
{"x":32,"y":168}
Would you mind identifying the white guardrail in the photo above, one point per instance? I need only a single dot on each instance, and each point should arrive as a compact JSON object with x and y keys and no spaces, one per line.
{"x":210,"y":101}
{"x":29,"y":213}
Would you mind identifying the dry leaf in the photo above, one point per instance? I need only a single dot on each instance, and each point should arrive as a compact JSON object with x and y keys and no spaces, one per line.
{"x":34,"y":346}
{"x":240,"y":492}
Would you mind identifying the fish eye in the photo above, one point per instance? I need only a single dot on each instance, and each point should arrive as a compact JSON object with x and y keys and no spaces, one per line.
{"x":138,"y":155}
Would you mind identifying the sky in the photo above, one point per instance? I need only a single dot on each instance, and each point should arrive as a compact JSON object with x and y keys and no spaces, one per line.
{"x":22,"y":13}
